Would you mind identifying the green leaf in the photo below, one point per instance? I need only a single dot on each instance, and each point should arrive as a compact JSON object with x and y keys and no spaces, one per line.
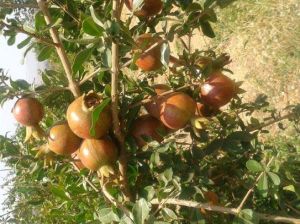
{"x":107,"y":215}
{"x":45,"y":53}
{"x":169,"y":214}
{"x":95,"y":17}
{"x":275,"y":178}
{"x":11,"y":40}
{"x":165,"y":54}
{"x":80,"y":58}
{"x":254,"y":166}
{"x":91,"y":28}
{"x":96,"y":114}
{"x":207,"y":29}
{"x":141,"y":211}
{"x":208,"y":3}
{"x":59,"y":192}
{"x":24,"y":43}
{"x":246,"y":216}
{"x":263,"y":185}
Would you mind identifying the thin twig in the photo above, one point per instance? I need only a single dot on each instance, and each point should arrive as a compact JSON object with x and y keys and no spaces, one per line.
{"x":37,"y":37}
{"x":225,"y":210}
{"x":93,"y":74}
{"x":85,"y":178}
{"x":115,"y":109}
{"x":239,"y":208}
{"x":273,"y":121}
{"x":145,"y":101}
{"x":60,"y":49}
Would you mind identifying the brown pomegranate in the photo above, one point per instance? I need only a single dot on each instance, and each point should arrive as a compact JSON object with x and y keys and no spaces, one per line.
{"x":62,"y":140}
{"x":148,"y":7}
{"x":147,"y":126}
{"x":77,"y":162}
{"x":151,"y":60}
{"x":176,"y":110}
{"x":218,"y":90}
{"x":153,"y":107}
{"x":28,"y":111}
{"x":79,"y":116}
{"x":95,"y":153}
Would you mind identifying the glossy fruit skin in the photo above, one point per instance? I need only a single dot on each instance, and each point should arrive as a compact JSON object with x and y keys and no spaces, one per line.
{"x":153,"y":107}
{"x":176,"y":110}
{"x":95,"y":153}
{"x":151,"y":60}
{"x":217,"y":90}
{"x":28,"y":111}
{"x":148,"y":126}
{"x":62,"y":140}
{"x":149,"y":7}
{"x":78,"y":163}
{"x":79,"y":117}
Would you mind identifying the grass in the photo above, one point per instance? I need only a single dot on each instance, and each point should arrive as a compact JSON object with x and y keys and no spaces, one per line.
{"x":263,"y":38}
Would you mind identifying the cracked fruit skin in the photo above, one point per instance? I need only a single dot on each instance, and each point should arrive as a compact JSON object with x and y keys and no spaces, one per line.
{"x":62,"y":140}
{"x":149,"y":61}
{"x":149,"y":127}
{"x":217,"y":90}
{"x":95,"y":153}
{"x":148,"y":8}
{"x":153,"y":107}
{"x":79,"y":116}
{"x":176,"y":110}
{"x":28,"y":111}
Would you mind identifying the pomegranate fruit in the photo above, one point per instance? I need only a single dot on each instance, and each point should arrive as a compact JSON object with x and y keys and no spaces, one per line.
{"x":28,"y":111}
{"x":149,"y":61}
{"x":95,"y":153}
{"x":77,"y":162}
{"x":79,"y":116}
{"x":148,"y":7}
{"x":153,"y":107}
{"x":147,"y":126}
{"x":217,"y":90}
{"x":62,"y":140}
{"x":176,"y":110}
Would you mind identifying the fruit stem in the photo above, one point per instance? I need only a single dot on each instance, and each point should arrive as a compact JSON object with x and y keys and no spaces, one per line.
{"x":123,"y":160}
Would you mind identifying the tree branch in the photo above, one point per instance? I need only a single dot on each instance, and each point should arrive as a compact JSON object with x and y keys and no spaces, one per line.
{"x":60,"y":49}
{"x":239,"y":208}
{"x":93,"y":74}
{"x":153,"y":98}
{"x":225,"y":210}
{"x":115,"y":108}
{"x":37,"y":37}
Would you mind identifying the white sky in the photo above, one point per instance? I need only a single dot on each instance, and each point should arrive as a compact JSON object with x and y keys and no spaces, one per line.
{"x":12,"y":61}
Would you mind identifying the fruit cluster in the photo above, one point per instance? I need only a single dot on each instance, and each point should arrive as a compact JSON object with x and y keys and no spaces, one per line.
{"x":168,"y":111}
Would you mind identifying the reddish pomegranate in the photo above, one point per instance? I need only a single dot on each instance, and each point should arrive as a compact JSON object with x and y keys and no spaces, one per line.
{"x":149,"y":61}
{"x":62,"y":140}
{"x":149,"y":127}
{"x":148,"y":8}
{"x":153,"y":107}
{"x":79,"y":116}
{"x":95,"y":153}
{"x":218,"y":90}
{"x":176,"y":110}
{"x":77,"y":162}
{"x":28,"y":111}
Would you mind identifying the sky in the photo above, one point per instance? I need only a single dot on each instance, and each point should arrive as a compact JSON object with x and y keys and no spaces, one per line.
{"x":13,"y":62}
